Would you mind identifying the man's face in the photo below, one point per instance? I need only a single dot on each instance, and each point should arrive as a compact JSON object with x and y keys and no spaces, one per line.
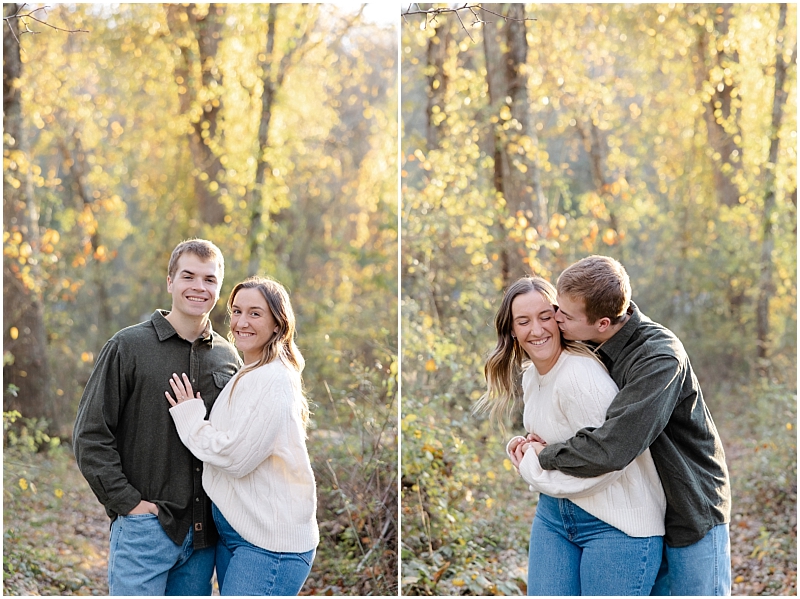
{"x":571,"y":318}
{"x":195,"y":287}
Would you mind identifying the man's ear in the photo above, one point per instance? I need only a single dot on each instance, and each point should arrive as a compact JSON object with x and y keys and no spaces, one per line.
{"x":169,"y":284}
{"x":603,"y":324}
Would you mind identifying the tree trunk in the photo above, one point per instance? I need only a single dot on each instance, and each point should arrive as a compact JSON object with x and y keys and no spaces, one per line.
{"x":516,"y":175}
{"x":273,"y":73}
{"x":263,"y":168}
{"x":437,"y":87}
{"x":498,"y":87}
{"x":78,"y":169}
{"x":720,"y":116}
{"x":526,"y":177}
{"x":204,"y":142}
{"x":765,"y":284}
{"x":595,"y":144}
{"x":25,"y":363}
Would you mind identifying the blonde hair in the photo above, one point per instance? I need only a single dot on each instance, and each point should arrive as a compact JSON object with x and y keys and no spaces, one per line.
{"x":507,"y":361}
{"x":281,"y":345}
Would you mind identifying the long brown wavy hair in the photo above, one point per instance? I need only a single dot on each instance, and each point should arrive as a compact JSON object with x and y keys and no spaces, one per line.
{"x":507,"y":361}
{"x":281,"y":345}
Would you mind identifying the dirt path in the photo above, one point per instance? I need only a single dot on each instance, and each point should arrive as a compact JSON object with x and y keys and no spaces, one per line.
{"x":764,"y":523}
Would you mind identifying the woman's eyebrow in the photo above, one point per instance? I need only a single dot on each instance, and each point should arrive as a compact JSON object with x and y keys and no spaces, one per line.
{"x":234,"y":305}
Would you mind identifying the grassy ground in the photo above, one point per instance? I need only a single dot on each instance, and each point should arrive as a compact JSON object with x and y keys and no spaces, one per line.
{"x":758,"y":433}
{"x":55,"y":537}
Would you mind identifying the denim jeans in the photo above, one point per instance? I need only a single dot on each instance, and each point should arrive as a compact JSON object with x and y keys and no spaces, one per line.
{"x":574,"y":553}
{"x":244,"y":569}
{"x":143,"y":560}
{"x":700,"y":569}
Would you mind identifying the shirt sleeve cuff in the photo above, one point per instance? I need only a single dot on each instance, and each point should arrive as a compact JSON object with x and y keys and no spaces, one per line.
{"x":123,"y":503}
{"x":547,"y":457}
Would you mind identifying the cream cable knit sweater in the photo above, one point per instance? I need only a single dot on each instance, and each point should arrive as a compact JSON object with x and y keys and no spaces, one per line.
{"x":573,"y":395}
{"x":256,"y":466}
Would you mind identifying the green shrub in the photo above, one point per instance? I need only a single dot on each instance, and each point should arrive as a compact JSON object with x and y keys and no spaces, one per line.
{"x":353,"y":448}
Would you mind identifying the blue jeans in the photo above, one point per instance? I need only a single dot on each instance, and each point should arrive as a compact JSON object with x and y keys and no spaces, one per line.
{"x":574,"y":553}
{"x":700,"y":569}
{"x":244,"y":569}
{"x":143,"y":560}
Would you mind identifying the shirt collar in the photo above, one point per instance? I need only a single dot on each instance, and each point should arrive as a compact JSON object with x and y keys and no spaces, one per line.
{"x":614,"y":346}
{"x":165,"y":330}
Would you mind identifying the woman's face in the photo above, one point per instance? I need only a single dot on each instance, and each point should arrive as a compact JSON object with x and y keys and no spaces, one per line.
{"x":252,"y":323}
{"x":535,"y":327}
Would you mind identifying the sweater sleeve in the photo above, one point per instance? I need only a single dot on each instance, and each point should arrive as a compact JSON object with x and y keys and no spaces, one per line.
{"x":558,"y":484}
{"x":94,"y":434}
{"x":257,"y":419}
{"x":636,"y":416}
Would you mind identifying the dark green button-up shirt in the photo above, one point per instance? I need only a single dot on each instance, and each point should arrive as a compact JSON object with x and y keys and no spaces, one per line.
{"x":125,"y":441}
{"x":660,"y":406}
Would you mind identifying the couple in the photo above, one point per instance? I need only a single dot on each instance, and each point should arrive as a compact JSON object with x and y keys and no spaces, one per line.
{"x":634,"y":490}
{"x":183,"y":447}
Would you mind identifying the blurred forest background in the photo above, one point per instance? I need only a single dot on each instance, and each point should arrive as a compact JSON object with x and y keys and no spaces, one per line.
{"x":663,"y":135}
{"x":268,"y":129}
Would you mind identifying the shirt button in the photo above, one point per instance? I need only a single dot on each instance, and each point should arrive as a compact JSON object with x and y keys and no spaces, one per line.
{"x":197,"y":499}
{"x":197,"y":469}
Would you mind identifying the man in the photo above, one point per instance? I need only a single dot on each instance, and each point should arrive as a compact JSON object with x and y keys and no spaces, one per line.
{"x":659,"y":405}
{"x":163,"y":540}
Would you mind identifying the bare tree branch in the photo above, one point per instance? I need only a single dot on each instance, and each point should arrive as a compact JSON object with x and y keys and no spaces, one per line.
{"x":31,"y":15}
{"x":432,"y":13}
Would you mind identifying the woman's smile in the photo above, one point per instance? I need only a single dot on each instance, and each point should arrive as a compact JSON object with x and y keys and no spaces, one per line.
{"x":252,"y":323}
{"x":535,"y":328}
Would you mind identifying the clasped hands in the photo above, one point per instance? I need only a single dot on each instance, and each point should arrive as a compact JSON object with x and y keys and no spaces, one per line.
{"x":517,"y":447}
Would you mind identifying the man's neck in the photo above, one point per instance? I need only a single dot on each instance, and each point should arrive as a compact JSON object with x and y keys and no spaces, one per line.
{"x":188,"y":328}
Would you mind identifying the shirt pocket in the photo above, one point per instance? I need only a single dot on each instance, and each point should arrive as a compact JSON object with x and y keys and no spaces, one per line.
{"x":221,"y":379}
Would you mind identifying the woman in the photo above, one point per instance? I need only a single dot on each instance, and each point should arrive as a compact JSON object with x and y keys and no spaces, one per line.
{"x":257,"y":471}
{"x":595,"y":536}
